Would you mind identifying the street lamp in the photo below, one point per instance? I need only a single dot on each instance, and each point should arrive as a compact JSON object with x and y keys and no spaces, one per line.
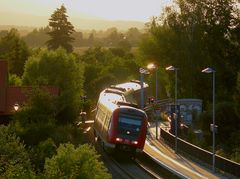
{"x":142,"y":71}
{"x":151,"y":66}
{"x":16,"y":106}
{"x":172,"y":68}
{"x":213,"y":127}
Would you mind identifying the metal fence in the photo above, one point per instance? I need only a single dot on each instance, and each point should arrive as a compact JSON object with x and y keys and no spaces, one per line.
{"x":222,"y":164}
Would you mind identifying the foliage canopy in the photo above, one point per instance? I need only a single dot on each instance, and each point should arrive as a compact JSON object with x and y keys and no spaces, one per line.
{"x":14,"y":159}
{"x":61,"y":30}
{"x":60,"y":69}
{"x":15,"y":50}
{"x":71,"y":162}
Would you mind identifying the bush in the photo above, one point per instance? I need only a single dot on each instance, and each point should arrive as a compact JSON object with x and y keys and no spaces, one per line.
{"x":14,"y":159}
{"x":70,"y":162}
{"x":45,"y":149}
{"x":35,"y":121}
{"x":14,"y":80}
{"x":67,"y":133}
{"x":33,"y":133}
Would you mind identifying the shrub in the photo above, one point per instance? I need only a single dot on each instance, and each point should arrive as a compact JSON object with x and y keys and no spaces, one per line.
{"x":71,"y":162}
{"x":67,"y":133}
{"x":45,"y":149}
{"x":14,"y":159}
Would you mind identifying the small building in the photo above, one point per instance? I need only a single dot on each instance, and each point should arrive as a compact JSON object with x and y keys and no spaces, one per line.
{"x":188,"y":108}
{"x":11,"y":96}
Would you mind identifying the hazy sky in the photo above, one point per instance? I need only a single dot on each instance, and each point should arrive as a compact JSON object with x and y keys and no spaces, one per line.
{"x":140,"y":10}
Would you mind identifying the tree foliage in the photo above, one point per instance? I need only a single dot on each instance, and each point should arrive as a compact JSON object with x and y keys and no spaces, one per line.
{"x":45,"y":149}
{"x":15,"y":50}
{"x":71,"y":162}
{"x":61,"y":30}
{"x":62,"y":70}
{"x":14,"y":159}
{"x":111,"y":37}
{"x":35,"y":121}
{"x":38,"y":37}
{"x":192,"y":36}
{"x":105,"y":67}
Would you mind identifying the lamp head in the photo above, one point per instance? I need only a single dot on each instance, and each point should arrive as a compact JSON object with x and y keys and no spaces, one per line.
{"x":208,"y":70}
{"x":16,"y":106}
{"x":151,"y":66}
{"x":143,"y":71}
{"x":171,"y":68}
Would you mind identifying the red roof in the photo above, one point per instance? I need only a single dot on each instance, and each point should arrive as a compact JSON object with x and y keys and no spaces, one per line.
{"x":11,"y":95}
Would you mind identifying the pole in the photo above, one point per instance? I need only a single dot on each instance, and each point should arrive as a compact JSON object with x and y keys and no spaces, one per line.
{"x":213,"y":159}
{"x":142,"y":92}
{"x":156,"y":96}
{"x":176,"y":116}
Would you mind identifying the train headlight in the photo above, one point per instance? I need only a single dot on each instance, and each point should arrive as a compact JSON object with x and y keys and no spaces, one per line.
{"x":135,"y":142}
{"x":119,"y":139}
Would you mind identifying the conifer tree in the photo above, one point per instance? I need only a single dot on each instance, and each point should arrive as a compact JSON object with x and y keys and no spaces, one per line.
{"x":61,"y":30}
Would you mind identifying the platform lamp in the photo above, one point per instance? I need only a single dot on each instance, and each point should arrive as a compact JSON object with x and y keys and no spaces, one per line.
{"x":213,"y":126}
{"x":152,"y":66}
{"x":172,"y":68}
{"x":142,"y":71}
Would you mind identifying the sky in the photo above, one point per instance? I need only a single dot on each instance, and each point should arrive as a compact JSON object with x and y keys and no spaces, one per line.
{"x":137,"y":10}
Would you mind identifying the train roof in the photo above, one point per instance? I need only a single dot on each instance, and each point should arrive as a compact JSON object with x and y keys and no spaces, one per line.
{"x":109,"y":98}
{"x":133,"y":85}
{"x":113,"y":99}
{"x":114,"y":96}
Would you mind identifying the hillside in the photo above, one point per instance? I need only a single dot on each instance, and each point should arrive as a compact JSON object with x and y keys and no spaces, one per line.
{"x":31,"y":21}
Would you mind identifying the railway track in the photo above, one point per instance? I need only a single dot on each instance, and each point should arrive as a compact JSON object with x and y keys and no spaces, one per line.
{"x":123,"y":165}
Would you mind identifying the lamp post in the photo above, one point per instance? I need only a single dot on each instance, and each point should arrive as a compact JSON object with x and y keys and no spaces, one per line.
{"x":142,"y":71}
{"x":151,"y":66}
{"x":213,"y":127}
{"x":172,"y":68}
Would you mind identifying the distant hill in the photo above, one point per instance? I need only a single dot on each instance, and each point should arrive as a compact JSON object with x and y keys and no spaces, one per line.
{"x":28,"y":21}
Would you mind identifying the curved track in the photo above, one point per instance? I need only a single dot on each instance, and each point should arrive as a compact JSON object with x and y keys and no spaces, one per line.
{"x":119,"y":164}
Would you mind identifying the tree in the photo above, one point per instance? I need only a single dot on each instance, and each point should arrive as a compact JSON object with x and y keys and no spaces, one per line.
{"x":38,"y":37}
{"x":35,"y":121}
{"x":105,"y":67}
{"x":15,"y":50}
{"x":133,"y":35}
{"x":60,"y":69}
{"x":14,"y":158}
{"x":195,"y":35}
{"x":71,"y":162}
{"x":61,"y":30}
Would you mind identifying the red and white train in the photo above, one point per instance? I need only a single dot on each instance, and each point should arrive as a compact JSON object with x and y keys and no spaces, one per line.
{"x":118,"y":123}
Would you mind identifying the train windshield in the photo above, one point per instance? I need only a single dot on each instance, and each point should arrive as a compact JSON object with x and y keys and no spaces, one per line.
{"x":129,"y":126}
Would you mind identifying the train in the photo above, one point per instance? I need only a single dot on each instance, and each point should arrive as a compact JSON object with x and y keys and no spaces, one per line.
{"x":119,"y":123}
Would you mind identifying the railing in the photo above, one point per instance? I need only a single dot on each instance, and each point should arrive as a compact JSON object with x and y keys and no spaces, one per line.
{"x":222,"y":164}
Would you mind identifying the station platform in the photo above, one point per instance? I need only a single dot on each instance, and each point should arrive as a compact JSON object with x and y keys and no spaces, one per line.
{"x":164,"y":155}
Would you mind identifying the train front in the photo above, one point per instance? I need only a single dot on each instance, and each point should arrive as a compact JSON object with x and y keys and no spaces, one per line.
{"x":128,"y":128}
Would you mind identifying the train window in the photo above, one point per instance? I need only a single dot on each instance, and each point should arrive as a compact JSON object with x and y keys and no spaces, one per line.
{"x":109,"y":122}
{"x":100,"y":115}
{"x":129,"y":125}
{"x":128,"y":121}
